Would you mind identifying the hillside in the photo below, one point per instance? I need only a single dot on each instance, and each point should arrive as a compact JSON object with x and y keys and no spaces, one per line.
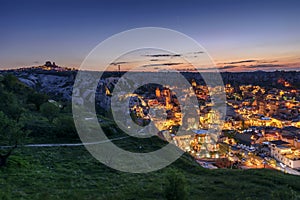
{"x":72,"y":173}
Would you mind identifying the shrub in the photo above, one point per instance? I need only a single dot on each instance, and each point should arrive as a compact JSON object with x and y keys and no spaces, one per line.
{"x":176,"y":188}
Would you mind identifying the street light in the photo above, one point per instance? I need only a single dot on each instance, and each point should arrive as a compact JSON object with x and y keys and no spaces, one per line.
{"x":264,"y":162}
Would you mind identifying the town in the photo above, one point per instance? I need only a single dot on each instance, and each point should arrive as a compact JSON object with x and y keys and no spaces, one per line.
{"x":261,"y":128}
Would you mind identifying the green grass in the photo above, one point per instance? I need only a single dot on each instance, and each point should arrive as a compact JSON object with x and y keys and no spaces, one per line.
{"x":72,"y":173}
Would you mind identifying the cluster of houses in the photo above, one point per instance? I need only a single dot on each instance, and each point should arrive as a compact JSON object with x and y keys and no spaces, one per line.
{"x":283,"y":144}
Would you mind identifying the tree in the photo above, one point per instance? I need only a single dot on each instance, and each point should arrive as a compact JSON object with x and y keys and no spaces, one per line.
{"x":12,"y":97}
{"x":49,"y":110}
{"x":10,"y":82}
{"x":3,"y":158}
{"x":176,"y":186}
{"x":10,"y":105}
{"x":37,"y":99}
{"x":10,"y":133}
{"x":65,"y":127}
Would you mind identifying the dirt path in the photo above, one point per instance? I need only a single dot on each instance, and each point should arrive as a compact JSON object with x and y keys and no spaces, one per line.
{"x":68,"y":145}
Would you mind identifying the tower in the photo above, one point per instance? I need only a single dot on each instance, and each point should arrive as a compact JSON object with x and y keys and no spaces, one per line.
{"x":194,"y":84}
{"x":157,"y":93}
{"x":261,"y":108}
{"x":168,"y":99}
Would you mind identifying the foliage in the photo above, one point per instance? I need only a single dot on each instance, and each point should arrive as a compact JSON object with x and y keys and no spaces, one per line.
{"x":10,"y":131}
{"x":176,"y":188}
{"x":11,"y":82}
{"x":37,"y":99}
{"x":72,"y":173}
{"x":65,"y":127}
{"x":10,"y":105}
{"x":38,"y":127}
{"x":49,"y":110}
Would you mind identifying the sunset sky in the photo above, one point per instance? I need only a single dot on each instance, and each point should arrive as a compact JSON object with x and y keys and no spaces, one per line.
{"x":238,"y":35}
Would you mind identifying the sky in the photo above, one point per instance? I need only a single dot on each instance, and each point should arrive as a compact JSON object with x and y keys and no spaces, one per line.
{"x":238,"y":35}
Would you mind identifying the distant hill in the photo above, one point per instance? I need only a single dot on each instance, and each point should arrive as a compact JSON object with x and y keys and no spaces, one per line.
{"x":58,"y":82}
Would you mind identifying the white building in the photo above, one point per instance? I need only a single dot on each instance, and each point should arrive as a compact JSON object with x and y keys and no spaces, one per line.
{"x":285,"y":153}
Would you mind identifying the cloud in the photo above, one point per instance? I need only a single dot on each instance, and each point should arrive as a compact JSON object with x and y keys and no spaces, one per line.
{"x":204,"y":68}
{"x":171,"y":64}
{"x":240,"y":61}
{"x":162,"y":55}
{"x":154,"y":60}
{"x":263,"y":66}
{"x":214,"y":68}
{"x":194,"y":54}
{"x":198,"y":52}
{"x":270,"y":61}
{"x":227,"y":67}
{"x":119,"y":63}
{"x":36,"y":62}
{"x":161,"y":64}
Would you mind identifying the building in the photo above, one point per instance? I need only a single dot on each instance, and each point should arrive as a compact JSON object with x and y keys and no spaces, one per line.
{"x":285,"y":153}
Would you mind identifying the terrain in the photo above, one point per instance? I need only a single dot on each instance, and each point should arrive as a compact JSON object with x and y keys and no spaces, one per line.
{"x":72,"y":173}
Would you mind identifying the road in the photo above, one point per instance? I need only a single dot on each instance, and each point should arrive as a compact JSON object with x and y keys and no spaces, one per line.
{"x":287,"y":169}
{"x":68,"y":145}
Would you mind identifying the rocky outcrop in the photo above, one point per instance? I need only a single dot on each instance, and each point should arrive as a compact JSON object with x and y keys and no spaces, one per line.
{"x":58,"y":86}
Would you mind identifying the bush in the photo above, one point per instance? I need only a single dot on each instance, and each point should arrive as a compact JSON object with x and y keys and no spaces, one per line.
{"x":37,"y":99}
{"x":176,"y":188}
{"x":65,"y":127}
{"x":49,"y":110}
{"x":39,"y":128}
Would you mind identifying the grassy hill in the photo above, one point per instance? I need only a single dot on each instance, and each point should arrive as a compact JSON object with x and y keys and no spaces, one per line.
{"x":72,"y":173}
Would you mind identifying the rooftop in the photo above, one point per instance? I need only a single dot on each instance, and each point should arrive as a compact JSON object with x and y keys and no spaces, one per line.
{"x":279,"y":142}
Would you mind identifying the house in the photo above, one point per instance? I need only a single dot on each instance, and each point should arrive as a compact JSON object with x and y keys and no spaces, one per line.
{"x":245,"y":138}
{"x":285,"y":153}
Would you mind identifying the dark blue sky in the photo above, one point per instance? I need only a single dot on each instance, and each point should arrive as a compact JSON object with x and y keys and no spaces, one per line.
{"x":66,"y":30}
